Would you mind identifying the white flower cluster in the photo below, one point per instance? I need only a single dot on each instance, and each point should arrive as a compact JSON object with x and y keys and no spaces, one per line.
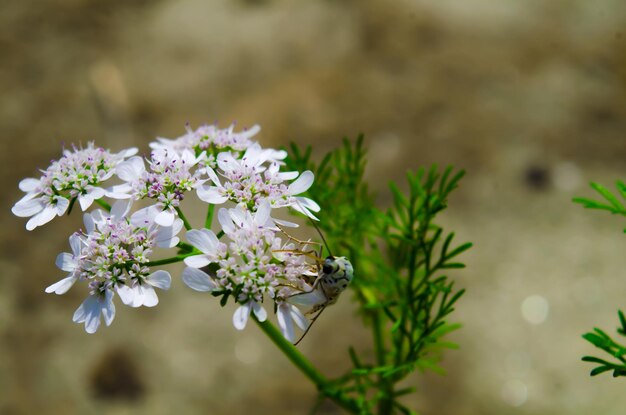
{"x":250,"y":258}
{"x":254,"y":263}
{"x":75,"y":176}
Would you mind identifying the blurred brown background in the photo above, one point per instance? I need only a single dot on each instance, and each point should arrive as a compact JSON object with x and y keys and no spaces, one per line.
{"x":529,"y":96}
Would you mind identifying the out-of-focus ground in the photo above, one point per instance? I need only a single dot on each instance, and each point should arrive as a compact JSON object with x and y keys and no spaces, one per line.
{"x":528,"y":96}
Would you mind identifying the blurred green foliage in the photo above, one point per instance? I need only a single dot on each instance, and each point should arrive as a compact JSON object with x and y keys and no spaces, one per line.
{"x":597,"y":337}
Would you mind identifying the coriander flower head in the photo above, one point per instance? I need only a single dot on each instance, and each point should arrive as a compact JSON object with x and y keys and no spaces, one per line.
{"x":249,"y":182}
{"x":77,"y":175}
{"x":169,"y":176}
{"x":112,"y":255}
{"x":246,"y":265}
{"x":210,"y":139}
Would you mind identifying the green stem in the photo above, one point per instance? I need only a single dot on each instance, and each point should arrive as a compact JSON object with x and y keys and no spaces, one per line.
{"x":104,"y":204}
{"x":185,"y":246}
{"x":209,"y":217}
{"x":172,"y":260}
{"x":323,"y":385}
{"x":185,"y":221}
{"x":385,"y":405}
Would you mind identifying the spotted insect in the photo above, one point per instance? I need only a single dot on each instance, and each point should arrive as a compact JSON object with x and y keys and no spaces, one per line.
{"x":334,"y":275}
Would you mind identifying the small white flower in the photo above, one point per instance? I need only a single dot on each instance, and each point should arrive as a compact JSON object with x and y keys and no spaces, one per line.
{"x":42,"y":209}
{"x":70,"y":263}
{"x":241,"y":315}
{"x":206,"y":241}
{"x":141,"y":291}
{"x":198,"y":280}
{"x":287,"y":314}
{"x":164,"y":236}
{"x":99,"y":303}
{"x":301,"y":204}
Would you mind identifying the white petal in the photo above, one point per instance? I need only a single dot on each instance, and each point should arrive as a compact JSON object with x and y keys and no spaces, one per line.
{"x":29,"y":196}
{"x":66,"y":262}
{"x":126,"y":293}
{"x":139,"y":296}
{"x":89,"y":313}
{"x":263,"y":213}
{"x":226,"y":162}
{"x":166,"y":235}
{"x":238,"y":215}
{"x":85,"y":201}
{"x":120,"y":191}
{"x":41,"y":218}
{"x":61,"y":287}
{"x":120,"y":209}
{"x":165,"y":218}
{"x":100,"y":217}
{"x":224,"y":219}
{"x":203,"y":239}
{"x":211,"y":194}
{"x":81,"y":312}
{"x":300,"y":208}
{"x":276,"y":154}
{"x":308,"y":204}
{"x":108,"y":308}
{"x":90,"y":223}
{"x":160,"y":279}
{"x":76,"y":243}
{"x":251,"y":131}
{"x":128,"y":152}
{"x":308,"y":298}
{"x":150,"y":298}
{"x":286,"y":223}
{"x":145,"y":216}
{"x":198,"y":280}
{"x":29,"y":184}
{"x":240,"y":318}
{"x":95,"y":192}
{"x":253,"y":156}
{"x":28,"y":208}
{"x":92,"y":194}
{"x":302,"y":184}
{"x":259,"y":311}
{"x":62,"y":205}
{"x":106,"y":176}
{"x":288,"y":175}
{"x":131,"y":169}
{"x":213,"y":177}
{"x":197,"y":261}
{"x":299,"y":318}
{"x":285,"y":322}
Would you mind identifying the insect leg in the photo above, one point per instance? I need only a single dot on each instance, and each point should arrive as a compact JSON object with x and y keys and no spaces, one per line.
{"x":310,"y":254}
{"x":310,"y":324}
{"x":300,"y":242}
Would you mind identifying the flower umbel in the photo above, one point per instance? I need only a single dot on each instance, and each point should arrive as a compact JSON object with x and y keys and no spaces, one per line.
{"x":112,"y":255}
{"x":75,"y":176}
{"x":250,"y":266}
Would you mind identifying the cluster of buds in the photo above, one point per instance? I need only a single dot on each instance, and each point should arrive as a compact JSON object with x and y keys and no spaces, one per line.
{"x":249,"y":258}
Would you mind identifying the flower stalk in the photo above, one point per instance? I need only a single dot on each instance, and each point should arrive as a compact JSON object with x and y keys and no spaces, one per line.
{"x":324,"y":386}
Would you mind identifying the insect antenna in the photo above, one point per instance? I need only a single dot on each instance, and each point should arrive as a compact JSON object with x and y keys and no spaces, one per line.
{"x":316,"y":228}
{"x":321,"y":235}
